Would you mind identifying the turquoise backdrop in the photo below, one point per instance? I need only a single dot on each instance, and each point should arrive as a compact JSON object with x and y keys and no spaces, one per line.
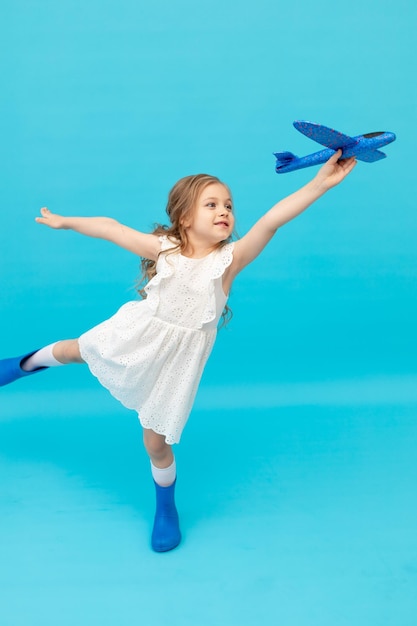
{"x":104,"y":106}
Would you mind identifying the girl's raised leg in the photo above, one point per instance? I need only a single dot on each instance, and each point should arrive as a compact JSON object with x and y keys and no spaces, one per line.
{"x":59,"y":353}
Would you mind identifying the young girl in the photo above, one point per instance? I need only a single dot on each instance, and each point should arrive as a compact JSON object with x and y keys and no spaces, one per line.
{"x":150,"y":355}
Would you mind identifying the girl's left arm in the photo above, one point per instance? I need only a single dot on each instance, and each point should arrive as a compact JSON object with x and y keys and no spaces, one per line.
{"x":252,"y":244}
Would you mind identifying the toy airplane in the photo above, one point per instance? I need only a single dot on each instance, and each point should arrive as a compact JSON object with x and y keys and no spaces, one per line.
{"x":363,"y":147}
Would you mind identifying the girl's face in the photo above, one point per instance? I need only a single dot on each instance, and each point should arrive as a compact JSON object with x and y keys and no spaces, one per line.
{"x":212,"y":219}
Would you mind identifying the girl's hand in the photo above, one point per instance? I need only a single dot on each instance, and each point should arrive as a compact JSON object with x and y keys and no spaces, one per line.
{"x":334,"y":171}
{"x":50,"y":219}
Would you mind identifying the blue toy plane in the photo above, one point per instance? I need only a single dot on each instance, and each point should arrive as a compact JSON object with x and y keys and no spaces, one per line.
{"x":363,"y":147}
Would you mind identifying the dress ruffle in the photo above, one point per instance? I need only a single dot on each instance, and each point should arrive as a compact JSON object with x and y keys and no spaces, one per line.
{"x":223,"y":259}
{"x":164,"y":270}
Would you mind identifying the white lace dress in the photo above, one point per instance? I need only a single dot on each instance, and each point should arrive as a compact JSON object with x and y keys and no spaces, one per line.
{"x":151,"y":354}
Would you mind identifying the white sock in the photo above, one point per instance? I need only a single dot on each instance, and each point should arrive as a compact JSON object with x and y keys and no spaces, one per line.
{"x":164,"y":477}
{"x":41,"y":358}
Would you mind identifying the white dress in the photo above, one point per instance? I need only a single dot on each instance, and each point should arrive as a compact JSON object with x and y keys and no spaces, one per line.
{"x":151,"y":354}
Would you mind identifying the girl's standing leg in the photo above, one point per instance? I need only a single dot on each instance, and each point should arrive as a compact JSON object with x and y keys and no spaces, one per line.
{"x":160,"y":453}
{"x":166,"y":533}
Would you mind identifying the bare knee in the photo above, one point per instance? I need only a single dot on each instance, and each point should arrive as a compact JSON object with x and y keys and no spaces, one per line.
{"x":67,"y":351}
{"x":159,"y":451}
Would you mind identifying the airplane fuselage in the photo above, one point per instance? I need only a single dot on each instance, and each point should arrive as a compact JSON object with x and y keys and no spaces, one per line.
{"x":360,"y":145}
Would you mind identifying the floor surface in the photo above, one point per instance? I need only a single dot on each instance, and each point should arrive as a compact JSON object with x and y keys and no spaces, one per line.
{"x":301,"y":511}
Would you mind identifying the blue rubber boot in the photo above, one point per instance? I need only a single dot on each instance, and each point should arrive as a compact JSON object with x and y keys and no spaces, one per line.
{"x":166,"y":533}
{"x":11,"y":370}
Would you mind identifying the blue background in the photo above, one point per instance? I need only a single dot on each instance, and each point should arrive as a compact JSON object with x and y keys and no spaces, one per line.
{"x":297,"y":468}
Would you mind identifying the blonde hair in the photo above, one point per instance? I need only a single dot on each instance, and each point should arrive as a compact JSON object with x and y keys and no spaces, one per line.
{"x":182,"y":201}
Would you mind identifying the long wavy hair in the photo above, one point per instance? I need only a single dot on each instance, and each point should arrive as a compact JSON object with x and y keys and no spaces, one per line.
{"x":182,"y":201}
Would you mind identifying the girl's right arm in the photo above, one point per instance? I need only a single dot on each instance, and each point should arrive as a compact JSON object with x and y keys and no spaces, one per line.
{"x":142,"y":244}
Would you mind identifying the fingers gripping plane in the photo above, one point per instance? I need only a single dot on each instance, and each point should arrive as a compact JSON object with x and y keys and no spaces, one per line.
{"x":363,"y":147}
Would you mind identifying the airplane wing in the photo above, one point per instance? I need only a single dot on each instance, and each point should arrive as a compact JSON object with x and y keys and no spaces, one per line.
{"x":325,"y":136}
{"x":370,"y":157}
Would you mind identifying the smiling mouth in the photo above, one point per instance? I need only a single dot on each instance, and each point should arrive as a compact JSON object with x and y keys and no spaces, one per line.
{"x":222,"y":224}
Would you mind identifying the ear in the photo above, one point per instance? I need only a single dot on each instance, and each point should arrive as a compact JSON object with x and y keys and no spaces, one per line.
{"x":185,"y":223}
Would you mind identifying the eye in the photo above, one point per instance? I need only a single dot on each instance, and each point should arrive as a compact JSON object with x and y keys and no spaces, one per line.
{"x":212,"y":205}
{"x":229,"y":207}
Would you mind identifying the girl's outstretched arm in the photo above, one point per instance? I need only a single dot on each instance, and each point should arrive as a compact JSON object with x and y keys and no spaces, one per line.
{"x":329,"y":175}
{"x":142,"y":244}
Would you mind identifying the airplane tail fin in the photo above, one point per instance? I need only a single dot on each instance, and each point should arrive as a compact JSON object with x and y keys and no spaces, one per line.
{"x":284,"y":158}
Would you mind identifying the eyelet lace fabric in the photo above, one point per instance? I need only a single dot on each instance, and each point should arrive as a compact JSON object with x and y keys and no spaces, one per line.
{"x":151,"y":354}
